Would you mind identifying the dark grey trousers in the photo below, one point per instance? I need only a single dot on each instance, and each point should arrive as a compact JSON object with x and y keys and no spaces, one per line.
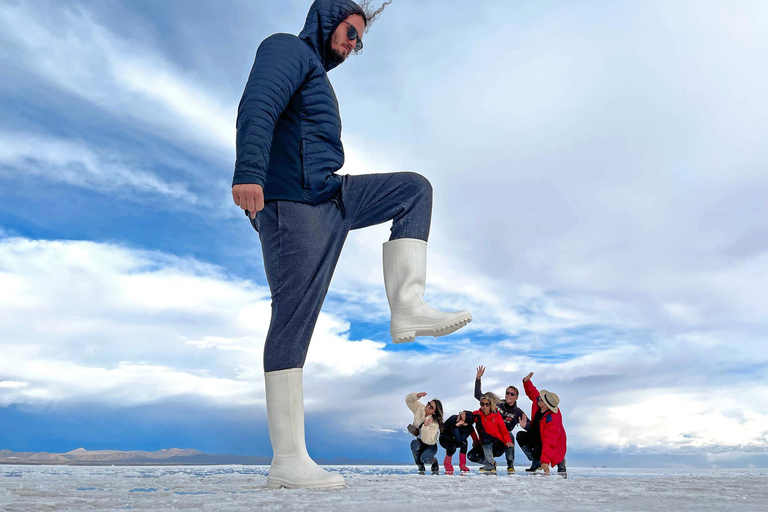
{"x":301,"y":244}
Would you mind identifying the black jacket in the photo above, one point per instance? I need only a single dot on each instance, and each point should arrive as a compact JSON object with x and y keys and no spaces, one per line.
{"x":510,"y":413}
{"x":288,"y":123}
{"x":459,"y":434}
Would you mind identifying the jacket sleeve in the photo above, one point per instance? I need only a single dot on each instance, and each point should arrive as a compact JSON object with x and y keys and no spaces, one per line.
{"x":552,"y":427}
{"x":412,"y":401}
{"x":478,"y":391}
{"x":530,"y":391}
{"x":278,"y":71}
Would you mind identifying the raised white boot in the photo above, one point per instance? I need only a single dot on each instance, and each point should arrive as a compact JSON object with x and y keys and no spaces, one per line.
{"x":292,"y":466}
{"x":405,"y":276}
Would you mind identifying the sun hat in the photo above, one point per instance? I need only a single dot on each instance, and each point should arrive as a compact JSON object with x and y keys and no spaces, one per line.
{"x":551,"y":399}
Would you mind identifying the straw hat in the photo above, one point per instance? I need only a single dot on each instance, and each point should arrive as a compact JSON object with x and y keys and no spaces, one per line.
{"x":551,"y":399}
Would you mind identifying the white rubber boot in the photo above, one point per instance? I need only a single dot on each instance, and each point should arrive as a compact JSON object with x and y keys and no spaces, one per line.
{"x":292,"y":466}
{"x":405,"y":276}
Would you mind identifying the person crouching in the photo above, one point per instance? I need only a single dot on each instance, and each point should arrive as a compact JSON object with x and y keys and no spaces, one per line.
{"x":493,"y":434}
{"x":456,"y":430}
{"x":428,"y":423}
{"x":544,"y":440}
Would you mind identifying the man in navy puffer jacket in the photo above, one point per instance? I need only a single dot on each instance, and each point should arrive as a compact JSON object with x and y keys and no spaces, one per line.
{"x":288,"y":151}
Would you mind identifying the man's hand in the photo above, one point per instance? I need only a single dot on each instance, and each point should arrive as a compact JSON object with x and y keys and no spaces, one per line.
{"x":523,"y":421}
{"x":545,"y":467}
{"x":480,"y":372}
{"x":249,"y":197}
{"x":419,"y":395}
{"x":510,"y":444}
{"x":528,"y":377}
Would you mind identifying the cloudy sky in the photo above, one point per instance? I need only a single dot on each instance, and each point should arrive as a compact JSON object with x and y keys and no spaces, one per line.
{"x":600,"y":180}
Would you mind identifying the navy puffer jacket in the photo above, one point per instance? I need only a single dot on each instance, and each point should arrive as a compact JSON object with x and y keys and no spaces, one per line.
{"x":288,"y":124}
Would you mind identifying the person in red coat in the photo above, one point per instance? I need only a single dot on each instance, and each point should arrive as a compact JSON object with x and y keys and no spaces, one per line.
{"x":544,"y":440}
{"x":493,"y":434}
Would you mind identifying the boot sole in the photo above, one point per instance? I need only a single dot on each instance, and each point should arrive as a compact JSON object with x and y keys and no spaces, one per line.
{"x":274,"y":485}
{"x":408,"y":336}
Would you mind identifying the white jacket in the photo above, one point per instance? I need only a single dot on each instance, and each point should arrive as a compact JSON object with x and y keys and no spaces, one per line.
{"x":429,"y":433}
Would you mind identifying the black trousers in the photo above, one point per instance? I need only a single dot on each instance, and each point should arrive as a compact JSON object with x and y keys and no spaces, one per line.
{"x":530,"y":443}
{"x":450,"y":444}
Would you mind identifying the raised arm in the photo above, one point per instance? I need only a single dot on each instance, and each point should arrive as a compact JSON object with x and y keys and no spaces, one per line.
{"x":530,"y":390}
{"x":478,"y":375}
{"x":412,"y":401}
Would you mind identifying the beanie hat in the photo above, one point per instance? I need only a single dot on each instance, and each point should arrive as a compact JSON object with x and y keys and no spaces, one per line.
{"x":551,"y":399}
{"x":469,"y":417}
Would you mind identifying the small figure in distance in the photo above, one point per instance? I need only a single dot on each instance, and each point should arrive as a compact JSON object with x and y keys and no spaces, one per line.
{"x":428,"y":418}
{"x":494,"y":436}
{"x":509,"y":411}
{"x":457,"y":429}
{"x":544,"y":440}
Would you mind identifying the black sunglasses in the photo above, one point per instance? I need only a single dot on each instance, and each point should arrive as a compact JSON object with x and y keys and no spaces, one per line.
{"x":511,"y":393}
{"x":485,"y":404}
{"x":352,"y":34}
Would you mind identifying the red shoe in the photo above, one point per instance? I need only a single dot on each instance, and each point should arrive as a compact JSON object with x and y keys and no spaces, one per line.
{"x":448,"y":466}
{"x":463,"y":463}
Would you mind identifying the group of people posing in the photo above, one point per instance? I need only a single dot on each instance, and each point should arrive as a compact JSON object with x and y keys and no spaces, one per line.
{"x":542,"y":438}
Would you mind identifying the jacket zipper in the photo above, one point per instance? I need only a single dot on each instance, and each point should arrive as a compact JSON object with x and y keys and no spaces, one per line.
{"x":304,"y":177}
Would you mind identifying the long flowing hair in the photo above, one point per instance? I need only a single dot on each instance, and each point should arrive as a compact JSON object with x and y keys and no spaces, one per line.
{"x":438,"y":414}
{"x":372,"y":14}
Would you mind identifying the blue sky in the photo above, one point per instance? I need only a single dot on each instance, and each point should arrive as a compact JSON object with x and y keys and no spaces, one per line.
{"x":600,"y":184}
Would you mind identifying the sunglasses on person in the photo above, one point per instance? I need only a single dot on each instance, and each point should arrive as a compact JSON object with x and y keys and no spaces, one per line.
{"x":511,"y":393}
{"x":352,"y":34}
{"x":430,"y":405}
{"x":485,"y":404}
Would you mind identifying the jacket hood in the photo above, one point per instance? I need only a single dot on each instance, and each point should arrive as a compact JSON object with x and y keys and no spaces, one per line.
{"x":323,"y":18}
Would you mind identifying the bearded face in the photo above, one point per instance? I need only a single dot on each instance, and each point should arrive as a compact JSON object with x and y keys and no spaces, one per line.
{"x":340,"y":44}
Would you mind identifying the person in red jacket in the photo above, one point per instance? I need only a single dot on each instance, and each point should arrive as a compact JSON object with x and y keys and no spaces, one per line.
{"x":544,"y":439}
{"x":493,"y":434}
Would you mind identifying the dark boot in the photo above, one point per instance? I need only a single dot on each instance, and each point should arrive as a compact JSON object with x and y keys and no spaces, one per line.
{"x":561,"y":468}
{"x":535,"y":466}
{"x":420,"y":465}
{"x":435,"y":467}
{"x":527,"y":451}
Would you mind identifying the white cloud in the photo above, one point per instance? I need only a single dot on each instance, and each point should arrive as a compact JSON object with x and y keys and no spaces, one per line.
{"x":117,"y":326}
{"x":61,"y":160}
{"x":122,"y":326}
{"x":127,"y":78}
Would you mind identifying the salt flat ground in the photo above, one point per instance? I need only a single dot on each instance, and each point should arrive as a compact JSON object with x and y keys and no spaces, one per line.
{"x":374,"y":488}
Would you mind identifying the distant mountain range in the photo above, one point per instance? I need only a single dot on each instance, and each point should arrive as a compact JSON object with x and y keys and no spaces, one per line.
{"x":171,"y":456}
